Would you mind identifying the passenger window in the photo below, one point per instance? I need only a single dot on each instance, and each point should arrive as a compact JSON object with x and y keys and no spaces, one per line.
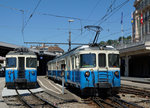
{"x":68,"y":63}
{"x":72,"y":62}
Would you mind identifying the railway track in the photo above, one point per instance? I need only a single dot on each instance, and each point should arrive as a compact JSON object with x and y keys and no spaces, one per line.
{"x":114,"y":102}
{"x":33,"y":100}
{"x":130,"y":90}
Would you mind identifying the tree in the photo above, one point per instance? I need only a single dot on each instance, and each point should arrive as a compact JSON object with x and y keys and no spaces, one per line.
{"x":102,"y":43}
{"x":129,"y":38}
{"x":109,"y":42}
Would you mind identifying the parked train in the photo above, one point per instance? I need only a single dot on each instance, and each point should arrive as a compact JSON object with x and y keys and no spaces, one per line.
{"x":92,"y":69}
{"x":21,"y":69}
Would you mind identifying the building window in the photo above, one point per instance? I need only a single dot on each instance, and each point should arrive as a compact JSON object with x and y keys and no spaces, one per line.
{"x":148,"y":1}
{"x":146,"y":27}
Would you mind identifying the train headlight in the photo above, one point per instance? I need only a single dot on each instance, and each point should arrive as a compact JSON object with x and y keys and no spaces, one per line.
{"x":116,"y":74}
{"x":33,"y":72}
{"x":9,"y":72}
{"x":87,"y":74}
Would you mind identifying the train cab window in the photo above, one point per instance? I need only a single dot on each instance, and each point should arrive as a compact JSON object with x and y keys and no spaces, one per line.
{"x":31,"y":62}
{"x":102,"y":60}
{"x":113,"y":60}
{"x":87,"y":60}
{"x":11,"y":62}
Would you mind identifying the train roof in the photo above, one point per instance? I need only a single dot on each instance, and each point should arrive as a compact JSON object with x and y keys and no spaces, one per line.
{"x":86,"y":48}
{"x":21,"y":51}
{"x":91,"y":47}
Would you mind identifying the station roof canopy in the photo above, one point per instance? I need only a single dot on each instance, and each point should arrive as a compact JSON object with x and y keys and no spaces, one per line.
{"x":6,"y":47}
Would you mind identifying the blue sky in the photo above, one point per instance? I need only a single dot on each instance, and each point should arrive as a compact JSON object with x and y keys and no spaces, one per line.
{"x":46,"y":28}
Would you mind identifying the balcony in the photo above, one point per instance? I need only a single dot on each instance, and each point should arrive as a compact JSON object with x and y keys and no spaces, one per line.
{"x":144,"y":42}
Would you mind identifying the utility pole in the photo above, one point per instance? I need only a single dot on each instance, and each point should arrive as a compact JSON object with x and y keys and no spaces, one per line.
{"x":70,"y":34}
{"x":122,"y":32}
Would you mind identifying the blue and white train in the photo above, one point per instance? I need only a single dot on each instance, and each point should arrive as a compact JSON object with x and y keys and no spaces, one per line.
{"x":21,"y":69}
{"x":89,"y":68}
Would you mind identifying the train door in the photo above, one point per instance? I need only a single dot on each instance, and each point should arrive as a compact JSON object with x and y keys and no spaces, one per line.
{"x":21,"y":67}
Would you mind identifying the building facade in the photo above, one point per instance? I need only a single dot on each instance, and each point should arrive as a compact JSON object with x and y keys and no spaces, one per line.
{"x":135,"y":57}
{"x":141,"y":23}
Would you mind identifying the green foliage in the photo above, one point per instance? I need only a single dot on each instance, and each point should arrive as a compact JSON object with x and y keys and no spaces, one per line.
{"x":103,"y":43}
{"x":116,"y":42}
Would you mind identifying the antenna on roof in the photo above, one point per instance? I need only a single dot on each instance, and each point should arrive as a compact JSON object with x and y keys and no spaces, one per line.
{"x":97,"y":29}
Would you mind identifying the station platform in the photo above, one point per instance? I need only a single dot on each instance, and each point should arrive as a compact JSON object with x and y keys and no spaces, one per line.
{"x":136,"y":79}
{"x":143,"y":83}
{"x":56,"y":89}
{"x":2,"y":102}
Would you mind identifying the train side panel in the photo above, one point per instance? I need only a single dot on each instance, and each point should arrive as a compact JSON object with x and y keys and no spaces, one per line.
{"x":10,"y":75}
{"x":31,"y":75}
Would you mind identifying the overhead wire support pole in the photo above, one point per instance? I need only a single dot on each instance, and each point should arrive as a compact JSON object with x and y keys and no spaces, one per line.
{"x":70,"y":34}
{"x":122,"y":31}
{"x":22,"y":31}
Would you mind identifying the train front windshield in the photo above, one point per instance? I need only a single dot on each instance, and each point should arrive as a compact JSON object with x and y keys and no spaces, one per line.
{"x":31,"y":62}
{"x":11,"y":62}
{"x":113,"y":60}
{"x":87,"y":60}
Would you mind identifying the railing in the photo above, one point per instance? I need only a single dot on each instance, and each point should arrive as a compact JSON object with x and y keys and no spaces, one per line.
{"x":132,"y":44}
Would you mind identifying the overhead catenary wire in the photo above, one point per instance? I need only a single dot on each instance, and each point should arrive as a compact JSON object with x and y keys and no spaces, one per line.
{"x":109,"y":10}
{"x":112,"y":12}
{"x":31,"y":14}
{"x":45,"y":14}
{"x":59,"y":16}
{"x":12,"y":8}
{"x":25,"y":24}
{"x":115,"y":33}
{"x":97,"y":3}
{"x":19,"y":10}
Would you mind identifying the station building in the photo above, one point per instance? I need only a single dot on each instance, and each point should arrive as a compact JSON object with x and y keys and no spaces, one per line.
{"x":45,"y":54}
{"x":135,"y":57}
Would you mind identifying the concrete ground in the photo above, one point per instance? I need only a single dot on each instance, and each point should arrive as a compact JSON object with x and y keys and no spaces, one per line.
{"x":143,"y":83}
{"x":2,"y":84}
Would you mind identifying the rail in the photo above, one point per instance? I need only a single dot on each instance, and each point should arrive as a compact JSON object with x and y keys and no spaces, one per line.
{"x":23,"y":100}
{"x":26,"y":103}
{"x":45,"y":101}
{"x":131,"y":90}
{"x":114,"y":102}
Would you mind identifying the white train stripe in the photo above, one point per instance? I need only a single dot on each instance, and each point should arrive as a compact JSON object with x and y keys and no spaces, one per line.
{"x":47,"y":88}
